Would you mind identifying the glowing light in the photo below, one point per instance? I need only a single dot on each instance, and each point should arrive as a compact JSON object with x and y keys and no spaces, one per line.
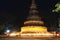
{"x":40,"y":22}
{"x":7,"y":31}
{"x":12,"y":34}
{"x":34,"y":28}
{"x":37,"y":35}
{"x":57,"y":34}
{"x":35,"y":31}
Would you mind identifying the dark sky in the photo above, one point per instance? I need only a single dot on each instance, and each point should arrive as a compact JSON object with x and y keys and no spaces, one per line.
{"x":16,"y":11}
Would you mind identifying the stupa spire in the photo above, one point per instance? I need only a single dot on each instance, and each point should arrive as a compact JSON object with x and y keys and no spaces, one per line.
{"x":33,"y":8}
{"x":33,"y":18}
{"x":33,"y":5}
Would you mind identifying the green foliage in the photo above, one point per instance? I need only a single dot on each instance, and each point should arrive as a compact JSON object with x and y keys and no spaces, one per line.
{"x":59,"y":22}
{"x":1,"y":27}
{"x":57,"y":7}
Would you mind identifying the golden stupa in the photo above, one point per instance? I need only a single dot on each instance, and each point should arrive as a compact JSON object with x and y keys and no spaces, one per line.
{"x":34,"y":26}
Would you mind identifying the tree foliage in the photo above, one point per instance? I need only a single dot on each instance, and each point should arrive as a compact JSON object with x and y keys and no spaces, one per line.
{"x":1,"y":27}
{"x":57,"y":7}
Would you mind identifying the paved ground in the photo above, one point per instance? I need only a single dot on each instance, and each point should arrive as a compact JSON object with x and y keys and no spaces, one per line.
{"x":29,"y":39}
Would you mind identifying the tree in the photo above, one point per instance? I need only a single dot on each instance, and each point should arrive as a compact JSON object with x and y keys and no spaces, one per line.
{"x":57,"y":7}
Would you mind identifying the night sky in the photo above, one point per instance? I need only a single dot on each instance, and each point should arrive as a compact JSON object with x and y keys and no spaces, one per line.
{"x":15,"y":12}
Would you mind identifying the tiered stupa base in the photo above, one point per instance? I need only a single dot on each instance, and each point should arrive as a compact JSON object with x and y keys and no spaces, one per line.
{"x":35,"y":32}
